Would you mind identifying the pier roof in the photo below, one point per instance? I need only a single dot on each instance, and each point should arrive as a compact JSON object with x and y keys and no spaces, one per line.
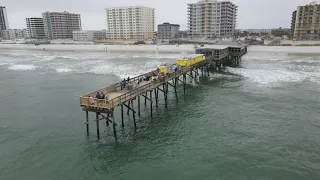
{"x":217,"y":47}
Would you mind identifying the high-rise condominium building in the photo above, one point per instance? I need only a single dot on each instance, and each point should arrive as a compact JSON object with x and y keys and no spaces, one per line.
{"x":307,"y":22}
{"x":293,"y":23}
{"x":4,"y":25}
{"x":212,"y":18}
{"x":130,"y":23}
{"x":60,"y":25}
{"x":35,"y":28}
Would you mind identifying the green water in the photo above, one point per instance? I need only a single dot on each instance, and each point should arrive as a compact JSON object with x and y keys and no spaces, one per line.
{"x":260,"y":121}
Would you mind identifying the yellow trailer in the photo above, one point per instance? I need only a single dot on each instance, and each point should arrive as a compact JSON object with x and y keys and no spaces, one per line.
{"x":191,"y":59}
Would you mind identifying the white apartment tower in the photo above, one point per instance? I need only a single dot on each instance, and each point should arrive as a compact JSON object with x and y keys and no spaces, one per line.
{"x":35,"y":28}
{"x":4,"y":25}
{"x":60,"y":25}
{"x":212,"y":18}
{"x":130,"y":23}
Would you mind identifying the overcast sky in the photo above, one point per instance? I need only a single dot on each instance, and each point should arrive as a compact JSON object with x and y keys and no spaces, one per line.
{"x":251,"y":13}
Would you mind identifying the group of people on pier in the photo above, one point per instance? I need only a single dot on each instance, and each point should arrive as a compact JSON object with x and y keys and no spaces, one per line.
{"x":100,"y":97}
{"x":152,"y":76}
{"x":124,"y":82}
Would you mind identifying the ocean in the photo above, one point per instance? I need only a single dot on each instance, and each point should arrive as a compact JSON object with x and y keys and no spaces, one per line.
{"x":258,"y":121}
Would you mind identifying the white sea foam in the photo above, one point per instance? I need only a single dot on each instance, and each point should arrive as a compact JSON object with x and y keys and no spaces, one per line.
{"x":23,"y":67}
{"x":63,"y":70}
{"x":273,"y":77}
{"x":4,"y":63}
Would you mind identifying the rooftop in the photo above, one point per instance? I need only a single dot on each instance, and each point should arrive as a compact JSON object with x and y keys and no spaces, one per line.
{"x":166,"y":24}
{"x":125,"y":7}
{"x":218,"y":47}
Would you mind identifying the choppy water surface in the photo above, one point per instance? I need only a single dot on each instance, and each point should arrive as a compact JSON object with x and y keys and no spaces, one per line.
{"x":259,"y":121}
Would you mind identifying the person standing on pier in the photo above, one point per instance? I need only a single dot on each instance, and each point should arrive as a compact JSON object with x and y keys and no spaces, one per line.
{"x":121,"y":84}
{"x":101,"y":95}
{"x":107,"y":97}
{"x":124,"y":83}
{"x":175,"y":68}
{"x":91,"y":101}
{"x":98,"y":95}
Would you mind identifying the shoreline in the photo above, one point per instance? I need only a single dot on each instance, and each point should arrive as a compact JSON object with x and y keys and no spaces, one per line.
{"x":165,"y":49}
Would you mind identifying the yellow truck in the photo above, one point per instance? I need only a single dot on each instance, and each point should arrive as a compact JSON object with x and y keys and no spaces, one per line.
{"x":191,"y":59}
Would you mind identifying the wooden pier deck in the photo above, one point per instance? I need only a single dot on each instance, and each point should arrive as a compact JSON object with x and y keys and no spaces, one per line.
{"x":118,"y":96}
{"x":135,"y":88}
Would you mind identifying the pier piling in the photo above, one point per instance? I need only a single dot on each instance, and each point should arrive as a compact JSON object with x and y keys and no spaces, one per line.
{"x":114,"y":124}
{"x":156,"y":92}
{"x":128,"y":113}
{"x":107,"y":120}
{"x":151,"y":102}
{"x":97,"y":124}
{"x":122,"y":123}
{"x":145,"y":99}
{"x":87,"y":120}
{"x":139,"y":105}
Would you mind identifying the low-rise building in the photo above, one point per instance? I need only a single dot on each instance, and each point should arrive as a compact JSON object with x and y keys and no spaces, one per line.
{"x":89,"y":35}
{"x":13,"y":34}
{"x":256,"y":31}
{"x":167,"y":31}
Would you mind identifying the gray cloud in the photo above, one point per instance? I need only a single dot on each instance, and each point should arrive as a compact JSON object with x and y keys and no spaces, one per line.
{"x":252,"y":13}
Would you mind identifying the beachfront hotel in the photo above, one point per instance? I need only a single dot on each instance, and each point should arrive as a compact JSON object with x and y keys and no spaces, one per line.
{"x":305,"y":23}
{"x":4,"y":25}
{"x":60,"y":25}
{"x":35,"y":28}
{"x":212,"y":18}
{"x":130,"y":23}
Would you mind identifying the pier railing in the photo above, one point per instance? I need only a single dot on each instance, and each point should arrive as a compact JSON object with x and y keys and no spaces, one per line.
{"x":132,"y":94}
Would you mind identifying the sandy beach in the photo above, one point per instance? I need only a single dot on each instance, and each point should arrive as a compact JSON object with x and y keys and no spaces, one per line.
{"x":154,"y":48}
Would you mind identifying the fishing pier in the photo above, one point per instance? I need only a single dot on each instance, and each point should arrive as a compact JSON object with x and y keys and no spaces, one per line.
{"x":139,"y":89}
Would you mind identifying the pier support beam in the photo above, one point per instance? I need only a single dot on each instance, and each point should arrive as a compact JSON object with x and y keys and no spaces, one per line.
{"x":145,"y":99}
{"x":184,"y":83}
{"x":114,"y":125}
{"x":122,"y":123}
{"x":128,"y":113}
{"x":134,"y":115}
{"x":156,"y":92}
{"x":107,"y":120}
{"x":175,"y":88}
{"x":87,"y":120}
{"x":139,"y":105}
{"x":151,"y":102}
{"x":97,"y":123}
{"x":165,"y":92}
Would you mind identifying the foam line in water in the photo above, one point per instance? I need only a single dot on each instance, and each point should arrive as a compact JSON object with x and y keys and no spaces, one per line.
{"x":23,"y":67}
{"x":63,"y":70}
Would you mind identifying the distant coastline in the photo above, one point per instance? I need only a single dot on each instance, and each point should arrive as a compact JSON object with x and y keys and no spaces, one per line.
{"x":153,"y":49}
